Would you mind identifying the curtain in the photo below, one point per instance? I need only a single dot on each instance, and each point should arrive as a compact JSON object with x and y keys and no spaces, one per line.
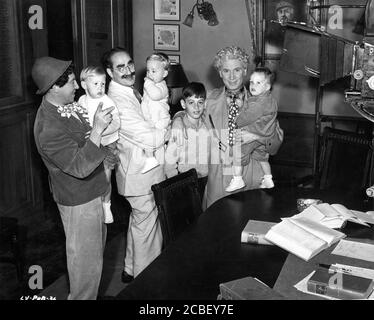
{"x":9,"y":53}
{"x":254,"y":50}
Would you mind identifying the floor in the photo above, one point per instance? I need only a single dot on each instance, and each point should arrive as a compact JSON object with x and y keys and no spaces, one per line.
{"x":45,"y":246}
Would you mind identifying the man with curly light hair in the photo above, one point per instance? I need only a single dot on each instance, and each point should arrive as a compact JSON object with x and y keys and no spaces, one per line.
{"x":223,"y":106}
{"x":231,"y":53}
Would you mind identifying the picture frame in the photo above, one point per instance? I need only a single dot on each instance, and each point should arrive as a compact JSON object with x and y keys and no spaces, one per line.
{"x":175,"y":58}
{"x":166,"y":37}
{"x":166,"y":10}
{"x":270,"y":15}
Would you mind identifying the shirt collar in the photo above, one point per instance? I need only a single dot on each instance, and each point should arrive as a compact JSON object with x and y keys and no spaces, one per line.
{"x":240,"y":93}
{"x":117,"y":86}
{"x":189,"y":124}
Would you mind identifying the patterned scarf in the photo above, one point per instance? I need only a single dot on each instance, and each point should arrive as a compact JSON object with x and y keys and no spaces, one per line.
{"x":234,"y":102}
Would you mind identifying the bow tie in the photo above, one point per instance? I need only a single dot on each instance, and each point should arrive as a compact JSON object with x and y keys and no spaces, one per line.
{"x":69,"y":109}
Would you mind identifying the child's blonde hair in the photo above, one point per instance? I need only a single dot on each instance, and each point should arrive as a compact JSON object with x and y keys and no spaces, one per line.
{"x":159,"y":56}
{"x":91,"y":71}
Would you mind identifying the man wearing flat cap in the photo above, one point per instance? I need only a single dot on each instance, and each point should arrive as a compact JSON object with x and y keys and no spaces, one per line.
{"x":72,"y":153}
{"x":285,"y":11}
{"x":275,"y":31}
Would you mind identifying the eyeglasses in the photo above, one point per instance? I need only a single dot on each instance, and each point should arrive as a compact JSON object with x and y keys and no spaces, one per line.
{"x":122,"y":68}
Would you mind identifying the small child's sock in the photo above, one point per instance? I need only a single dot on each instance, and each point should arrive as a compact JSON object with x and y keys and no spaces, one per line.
{"x":267,"y":182}
{"x":108,"y":216}
{"x":236,"y":183}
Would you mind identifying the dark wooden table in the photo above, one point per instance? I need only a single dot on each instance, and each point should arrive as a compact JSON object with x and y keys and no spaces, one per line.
{"x":210,"y":252}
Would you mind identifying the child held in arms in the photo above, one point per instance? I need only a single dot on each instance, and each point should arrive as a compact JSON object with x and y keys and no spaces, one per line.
{"x":154,"y":105}
{"x":258,"y":117}
{"x":194,"y":152}
{"x":93,"y":82}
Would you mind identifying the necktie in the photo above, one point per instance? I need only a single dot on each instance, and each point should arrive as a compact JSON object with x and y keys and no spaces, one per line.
{"x":137,"y":95}
{"x":234,"y":101}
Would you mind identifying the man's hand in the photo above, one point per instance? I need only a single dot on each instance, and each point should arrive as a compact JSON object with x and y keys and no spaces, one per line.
{"x":102,"y":118}
{"x":101,"y":121}
{"x":178,"y":131}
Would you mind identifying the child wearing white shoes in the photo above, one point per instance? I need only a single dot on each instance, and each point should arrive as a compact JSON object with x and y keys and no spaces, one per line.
{"x":257,"y":117}
{"x":154,"y":105}
{"x":93,"y":82}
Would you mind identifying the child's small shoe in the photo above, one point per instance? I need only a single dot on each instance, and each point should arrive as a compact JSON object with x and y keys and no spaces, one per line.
{"x":150,"y":163}
{"x":108,"y":216}
{"x":236,"y":183}
{"x":267,"y":182}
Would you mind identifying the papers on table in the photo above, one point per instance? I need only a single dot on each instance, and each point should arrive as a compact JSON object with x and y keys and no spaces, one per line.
{"x":353,"y":249}
{"x":335,"y":215}
{"x":311,"y":231}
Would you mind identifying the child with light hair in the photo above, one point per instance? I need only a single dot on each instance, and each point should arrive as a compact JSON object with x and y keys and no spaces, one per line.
{"x":154,"y":106}
{"x":93,"y":82}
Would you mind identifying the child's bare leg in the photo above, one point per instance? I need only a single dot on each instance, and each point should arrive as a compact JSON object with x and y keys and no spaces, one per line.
{"x":237,"y":170}
{"x":265,"y":165}
{"x":108,"y":216}
{"x":267,"y":180}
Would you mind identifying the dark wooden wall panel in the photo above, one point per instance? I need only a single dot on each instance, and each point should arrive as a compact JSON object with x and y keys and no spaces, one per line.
{"x":20,"y":183}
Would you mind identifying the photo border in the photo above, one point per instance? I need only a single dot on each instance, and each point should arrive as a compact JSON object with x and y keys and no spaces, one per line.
{"x":174,"y":58}
{"x":158,"y":16}
{"x":166,"y":27}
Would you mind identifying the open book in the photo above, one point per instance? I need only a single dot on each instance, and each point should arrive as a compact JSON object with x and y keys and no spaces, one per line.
{"x":335,"y":215}
{"x":303,"y":237}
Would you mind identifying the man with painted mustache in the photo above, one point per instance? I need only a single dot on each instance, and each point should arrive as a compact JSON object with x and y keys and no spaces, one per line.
{"x":144,"y":238}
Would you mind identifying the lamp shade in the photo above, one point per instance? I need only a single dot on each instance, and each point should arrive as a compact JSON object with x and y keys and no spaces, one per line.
{"x":213,"y":21}
{"x":176,"y":77}
{"x":189,"y":20}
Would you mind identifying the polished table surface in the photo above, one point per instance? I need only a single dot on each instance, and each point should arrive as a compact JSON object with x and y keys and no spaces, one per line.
{"x":209,"y":252}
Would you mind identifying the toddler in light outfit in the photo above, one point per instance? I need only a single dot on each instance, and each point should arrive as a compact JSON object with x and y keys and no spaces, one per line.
{"x":154,"y":105}
{"x":93,"y":82}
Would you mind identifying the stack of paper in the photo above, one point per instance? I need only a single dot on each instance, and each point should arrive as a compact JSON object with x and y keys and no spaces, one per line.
{"x":335,"y":215}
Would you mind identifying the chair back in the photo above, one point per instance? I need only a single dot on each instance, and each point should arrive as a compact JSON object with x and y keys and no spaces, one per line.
{"x":178,"y":203}
{"x":345,"y":161}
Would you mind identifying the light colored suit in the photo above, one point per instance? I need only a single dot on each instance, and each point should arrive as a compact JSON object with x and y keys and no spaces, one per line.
{"x":144,"y":238}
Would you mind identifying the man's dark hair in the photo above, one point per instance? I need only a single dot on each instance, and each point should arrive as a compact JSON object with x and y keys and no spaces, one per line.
{"x":194,"y":89}
{"x":269,"y":75}
{"x":64,"y":78}
{"x":106,"y":59}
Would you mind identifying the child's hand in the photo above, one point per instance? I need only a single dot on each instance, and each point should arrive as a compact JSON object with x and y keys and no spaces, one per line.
{"x":111,"y":159}
{"x":245,"y":136}
{"x":178,"y":131}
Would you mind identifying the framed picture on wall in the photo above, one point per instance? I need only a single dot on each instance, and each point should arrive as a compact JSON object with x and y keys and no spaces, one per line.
{"x":275,"y":14}
{"x":166,"y":37}
{"x":174,"y":58}
{"x":166,"y":10}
